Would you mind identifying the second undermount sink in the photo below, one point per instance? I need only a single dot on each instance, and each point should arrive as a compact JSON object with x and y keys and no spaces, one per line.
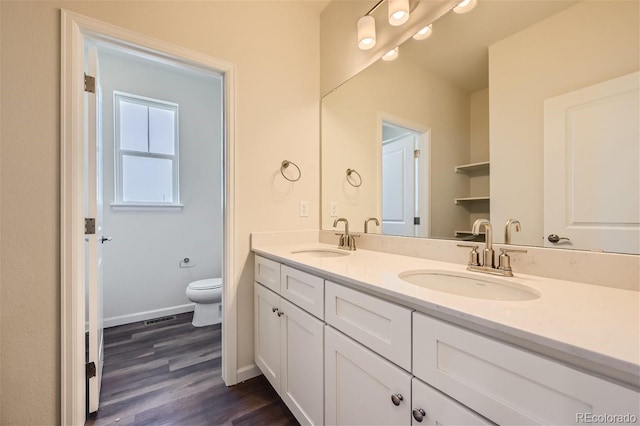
{"x":470,"y":285}
{"x":321,"y":252}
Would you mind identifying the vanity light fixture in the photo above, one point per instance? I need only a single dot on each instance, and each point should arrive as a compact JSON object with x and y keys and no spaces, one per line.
{"x":390,"y":55}
{"x":465,"y":6}
{"x":398,"y":12}
{"x":366,"y":32}
{"x":424,"y":32}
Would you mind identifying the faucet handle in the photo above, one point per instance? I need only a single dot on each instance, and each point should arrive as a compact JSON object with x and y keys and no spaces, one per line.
{"x":474,"y":256}
{"x":504,"y":261}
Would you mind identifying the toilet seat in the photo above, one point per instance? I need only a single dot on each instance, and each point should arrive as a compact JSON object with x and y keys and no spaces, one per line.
{"x":206,"y":284}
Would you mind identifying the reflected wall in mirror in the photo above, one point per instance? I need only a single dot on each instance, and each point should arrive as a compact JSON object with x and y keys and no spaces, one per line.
{"x":477,"y":103}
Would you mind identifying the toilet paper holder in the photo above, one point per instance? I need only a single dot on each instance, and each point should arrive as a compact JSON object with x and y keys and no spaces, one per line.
{"x":186,"y":263}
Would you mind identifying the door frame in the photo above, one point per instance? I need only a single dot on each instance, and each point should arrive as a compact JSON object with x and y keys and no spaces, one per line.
{"x":75,"y":30}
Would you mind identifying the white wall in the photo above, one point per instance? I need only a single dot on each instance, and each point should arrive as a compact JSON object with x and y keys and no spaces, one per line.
{"x":141,"y":263}
{"x":275,"y":46}
{"x":588,"y":43}
{"x":351,"y":139}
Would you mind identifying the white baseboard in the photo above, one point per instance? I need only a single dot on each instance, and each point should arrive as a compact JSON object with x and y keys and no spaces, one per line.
{"x":145,"y":315}
{"x":248,"y":372}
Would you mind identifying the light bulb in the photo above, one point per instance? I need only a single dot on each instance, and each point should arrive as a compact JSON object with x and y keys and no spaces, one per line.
{"x":366,"y":32}
{"x":424,"y":32}
{"x":398,"y":12}
{"x":391,"y":55}
{"x":465,"y":6}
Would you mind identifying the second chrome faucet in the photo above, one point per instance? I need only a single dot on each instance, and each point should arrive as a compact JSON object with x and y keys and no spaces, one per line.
{"x":347,"y":242}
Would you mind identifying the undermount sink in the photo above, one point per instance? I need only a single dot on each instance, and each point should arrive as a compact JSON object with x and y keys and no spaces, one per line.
{"x":470,"y":285}
{"x":321,"y":252}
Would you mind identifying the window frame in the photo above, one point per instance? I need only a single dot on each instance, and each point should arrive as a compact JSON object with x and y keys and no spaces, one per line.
{"x":119,"y":203}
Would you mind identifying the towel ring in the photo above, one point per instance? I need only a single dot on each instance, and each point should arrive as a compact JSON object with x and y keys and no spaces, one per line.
{"x":350,"y":179}
{"x":287,"y":163}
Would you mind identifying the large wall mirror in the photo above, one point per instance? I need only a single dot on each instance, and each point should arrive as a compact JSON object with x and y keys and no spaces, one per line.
{"x":523,"y":110}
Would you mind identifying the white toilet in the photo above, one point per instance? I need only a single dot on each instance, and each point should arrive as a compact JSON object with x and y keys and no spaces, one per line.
{"x":207,"y":296}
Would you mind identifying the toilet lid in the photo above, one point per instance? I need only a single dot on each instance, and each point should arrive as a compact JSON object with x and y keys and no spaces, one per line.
{"x":206,"y":284}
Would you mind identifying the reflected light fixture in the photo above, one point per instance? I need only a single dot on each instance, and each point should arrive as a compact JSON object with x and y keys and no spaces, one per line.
{"x":465,"y":6}
{"x":424,"y":32}
{"x":398,"y":12}
{"x":366,"y":32}
{"x":390,"y":55}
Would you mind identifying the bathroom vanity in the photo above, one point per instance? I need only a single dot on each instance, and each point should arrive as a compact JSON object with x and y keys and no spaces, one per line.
{"x":364,"y":337}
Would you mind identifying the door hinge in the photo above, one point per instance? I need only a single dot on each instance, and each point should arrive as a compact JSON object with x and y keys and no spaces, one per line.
{"x":89,"y":84}
{"x":90,"y":369}
{"x":416,"y":221}
{"x":416,"y":153}
{"x":89,"y":225}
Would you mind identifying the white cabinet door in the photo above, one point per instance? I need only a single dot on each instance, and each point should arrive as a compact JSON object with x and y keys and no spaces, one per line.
{"x":301,"y":384}
{"x":362,"y":388}
{"x":431,"y":407}
{"x":267,"y":333}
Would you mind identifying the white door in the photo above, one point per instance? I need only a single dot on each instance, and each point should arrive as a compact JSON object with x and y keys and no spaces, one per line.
{"x":302,"y":366}
{"x":398,"y":186}
{"x":267,"y":333}
{"x":93,"y":207}
{"x":592,"y":167}
{"x":362,"y":388}
{"x":431,"y":407}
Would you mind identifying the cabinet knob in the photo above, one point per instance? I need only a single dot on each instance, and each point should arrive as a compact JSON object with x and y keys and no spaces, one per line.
{"x":274,"y":309}
{"x":280,"y":313}
{"x":396,"y":398}
{"x":418,"y":414}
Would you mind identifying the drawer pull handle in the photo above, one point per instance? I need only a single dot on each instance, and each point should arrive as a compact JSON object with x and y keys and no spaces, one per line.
{"x":280,"y":313}
{"x":274,"y":309}
{"x":396,"y":398}
{"x":418,"y":414}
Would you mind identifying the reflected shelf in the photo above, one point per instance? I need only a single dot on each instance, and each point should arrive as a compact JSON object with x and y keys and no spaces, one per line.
{"x":470,"y":200}
{"x":482,"y":167}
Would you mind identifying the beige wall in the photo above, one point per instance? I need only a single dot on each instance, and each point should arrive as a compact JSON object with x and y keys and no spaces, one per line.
{"x":351,"y":139}
{"x":586,"y":44}
{"x":275,"y":46}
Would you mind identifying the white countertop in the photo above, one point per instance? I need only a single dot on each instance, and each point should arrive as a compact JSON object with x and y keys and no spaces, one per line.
{"x":594,"y":323}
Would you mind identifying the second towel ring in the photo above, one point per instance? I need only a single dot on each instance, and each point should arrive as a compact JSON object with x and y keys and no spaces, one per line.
{"x":287,"y":163}
{"x":350,"y":179}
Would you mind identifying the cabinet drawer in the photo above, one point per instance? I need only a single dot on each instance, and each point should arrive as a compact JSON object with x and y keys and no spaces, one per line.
{"x":506,"y":384}
{"x":382,"y":326}
{"x":431,"y":407}
{"x":304,"y":290}
{"x":267,"y":273}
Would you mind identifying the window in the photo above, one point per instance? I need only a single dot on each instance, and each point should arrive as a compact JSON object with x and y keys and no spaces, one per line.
{"x":146,"y":148}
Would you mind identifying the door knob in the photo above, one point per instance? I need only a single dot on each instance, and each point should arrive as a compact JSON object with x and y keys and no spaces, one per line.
{"x":103,"y":239}
{"x":418,"y":414}
{"x":554,"y":238}
{"x":396,"y":398}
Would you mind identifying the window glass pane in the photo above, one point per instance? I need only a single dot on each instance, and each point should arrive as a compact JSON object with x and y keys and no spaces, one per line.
{"x":133,"y":127}
{"x":161,"y":131}
{"x":147,"y":179}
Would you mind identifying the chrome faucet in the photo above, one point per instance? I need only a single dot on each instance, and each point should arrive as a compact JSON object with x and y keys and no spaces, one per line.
{"x":488,"y":260}
{"x":487,"y":254}
{"x":347,"y":242}
{"x":507,"y":229}
{"x":366,"y":223}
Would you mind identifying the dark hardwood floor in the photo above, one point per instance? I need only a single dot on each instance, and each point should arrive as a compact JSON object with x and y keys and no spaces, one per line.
{"x":169,"y":373}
